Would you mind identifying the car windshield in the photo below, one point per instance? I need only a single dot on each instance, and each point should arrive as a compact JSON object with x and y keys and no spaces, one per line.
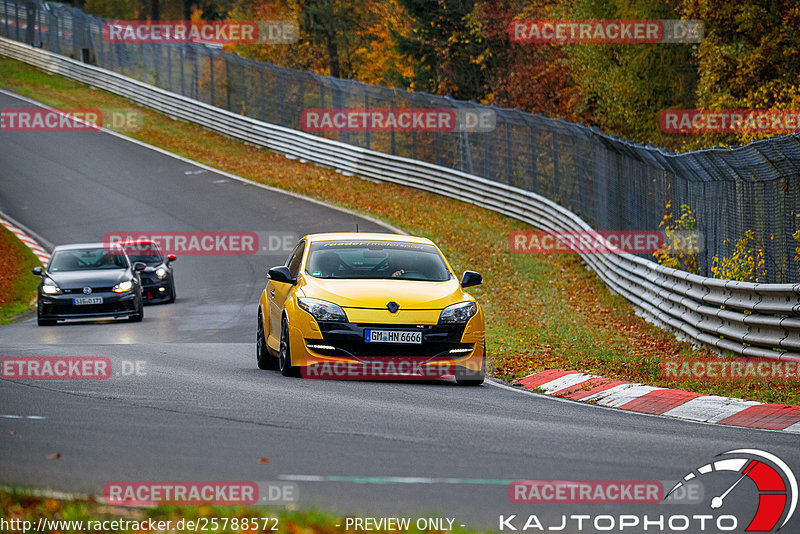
{"x":376,"y":260}
{"x":86,"y":259}
{"x":147,"y":253}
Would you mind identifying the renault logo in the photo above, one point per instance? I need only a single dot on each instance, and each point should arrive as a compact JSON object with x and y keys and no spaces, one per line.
{"x":392,"y":306}
{"x":87,"y":290}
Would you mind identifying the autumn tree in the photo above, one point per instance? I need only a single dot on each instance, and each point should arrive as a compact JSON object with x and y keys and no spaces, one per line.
{"x":533,"y":77}
{"x":624,"y":87}
{"x":344,"y":38}
{"x":449,"y":51}
{"x":749,"y":59}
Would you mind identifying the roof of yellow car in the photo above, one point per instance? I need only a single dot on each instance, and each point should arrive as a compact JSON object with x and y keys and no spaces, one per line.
{"x":365,"y":236}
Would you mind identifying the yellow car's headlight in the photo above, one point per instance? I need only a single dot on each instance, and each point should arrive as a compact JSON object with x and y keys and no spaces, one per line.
{"x":123,"y":287}
{"x":322,"y":310}
{"x":458,"y":313}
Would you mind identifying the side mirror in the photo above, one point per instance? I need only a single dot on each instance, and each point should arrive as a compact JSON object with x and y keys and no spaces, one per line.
{"x":172,"y":257}
{"x":139,"y":266}
{"x":281,"y":274}
{"x":471,"y":278}
{"x":37,"y":271}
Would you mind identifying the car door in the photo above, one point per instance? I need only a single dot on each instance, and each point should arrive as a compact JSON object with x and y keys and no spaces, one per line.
{"x":278,"y":292}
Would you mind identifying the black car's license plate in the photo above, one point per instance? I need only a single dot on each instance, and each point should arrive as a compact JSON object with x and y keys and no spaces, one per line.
{"x":81,"y":301}
{"x":393,"y":336}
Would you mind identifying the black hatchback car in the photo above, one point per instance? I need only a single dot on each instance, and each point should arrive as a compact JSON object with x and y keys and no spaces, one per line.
{"x":88,"y":281}
{"x":158,"y":278}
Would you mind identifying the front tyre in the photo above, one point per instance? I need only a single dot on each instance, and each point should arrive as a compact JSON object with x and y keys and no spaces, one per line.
{"x":285,"y":360}
{"x":139,"y":315}
{"x":263,"y":357}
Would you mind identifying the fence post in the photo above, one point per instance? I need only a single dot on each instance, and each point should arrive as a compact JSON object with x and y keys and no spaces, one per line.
{"x":556,"y":178}
{"x":394,"y":140}
{"x":211,"y":76}
{"x":509,"y":160}
{"x":263,"y":94}
{"x":282,"y":100}
{"x":534,"y":169}
{"x":195,"y":72}
{"x":244,"y":87}
{"x":182,"y":58}
{"x":30,"y":24}
{"x":169,"y":67}
{"x":228,"y":83}
{"x":367,"y":140}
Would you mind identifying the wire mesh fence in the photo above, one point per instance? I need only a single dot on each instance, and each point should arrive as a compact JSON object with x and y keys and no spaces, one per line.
{"x":612,"y":183}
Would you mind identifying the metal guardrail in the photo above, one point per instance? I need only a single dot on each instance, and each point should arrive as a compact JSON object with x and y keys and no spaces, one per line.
{"x":747,"y":319}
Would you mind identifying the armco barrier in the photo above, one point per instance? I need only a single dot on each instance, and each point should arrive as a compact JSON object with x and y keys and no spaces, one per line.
{"x":743,"y":318}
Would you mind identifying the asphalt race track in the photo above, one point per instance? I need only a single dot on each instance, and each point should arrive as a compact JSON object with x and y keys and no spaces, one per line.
{"x":204,"y":411}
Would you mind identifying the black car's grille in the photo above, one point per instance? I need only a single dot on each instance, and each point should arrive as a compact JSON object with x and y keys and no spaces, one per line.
{"x":110,"y":308}
{"x":149,"y":278}
{"x":76,"y":290}
{"x":348,"y":340}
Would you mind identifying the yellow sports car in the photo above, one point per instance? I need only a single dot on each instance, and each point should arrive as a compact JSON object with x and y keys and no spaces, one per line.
{"x":361,"y":305}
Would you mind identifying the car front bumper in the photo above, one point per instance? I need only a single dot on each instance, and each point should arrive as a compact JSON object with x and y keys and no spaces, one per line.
{"x":62,"y":307}
{"x":445,"y":349}
{"x":157,"y":292}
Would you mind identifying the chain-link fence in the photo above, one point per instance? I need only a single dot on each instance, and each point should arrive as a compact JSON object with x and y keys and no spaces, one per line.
{"x":614,"y":184}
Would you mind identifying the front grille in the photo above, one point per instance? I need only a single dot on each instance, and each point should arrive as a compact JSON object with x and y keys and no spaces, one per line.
{"x":76,"y":290}
{"x":110,"y":308}
{"x":348,"y":340}
{"x":149,"y":278}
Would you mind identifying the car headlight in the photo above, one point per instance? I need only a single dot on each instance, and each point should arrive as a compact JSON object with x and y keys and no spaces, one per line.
{"x":50,"y":288}
{"x":322,"y":310}
{"x":161,"y":273}
{"x":458,"y":313}
{"x":123,"y":287}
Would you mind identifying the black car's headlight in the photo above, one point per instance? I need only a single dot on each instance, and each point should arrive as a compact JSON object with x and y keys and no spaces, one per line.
{"x":322,"y":310}
{"x":123,"y":287}
{"x":161,"y":273}
{"x":458,"y":313}
{"x":50,"y":288}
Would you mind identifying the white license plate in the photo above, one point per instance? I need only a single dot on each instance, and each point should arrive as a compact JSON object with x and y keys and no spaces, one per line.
{"x":87,"y":300}
{"x":393,"y":336}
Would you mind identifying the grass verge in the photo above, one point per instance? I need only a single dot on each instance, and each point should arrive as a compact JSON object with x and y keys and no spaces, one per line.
{"x":542,"y":311}
{"x":17,"y":284}
{"x":74,"y":517}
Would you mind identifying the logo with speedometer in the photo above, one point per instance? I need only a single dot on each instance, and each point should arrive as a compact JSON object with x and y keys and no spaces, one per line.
{"x":775,"y":485}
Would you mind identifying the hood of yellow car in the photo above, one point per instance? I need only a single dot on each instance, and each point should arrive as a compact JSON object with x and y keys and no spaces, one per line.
{"x":375,"y":294}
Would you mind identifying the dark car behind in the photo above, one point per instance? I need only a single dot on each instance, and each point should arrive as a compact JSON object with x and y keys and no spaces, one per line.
{"x":158,"y":278}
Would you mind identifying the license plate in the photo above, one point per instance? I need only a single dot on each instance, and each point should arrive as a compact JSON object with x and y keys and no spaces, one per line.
{"x":87,"y":300}
{"x":393,"y":336}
